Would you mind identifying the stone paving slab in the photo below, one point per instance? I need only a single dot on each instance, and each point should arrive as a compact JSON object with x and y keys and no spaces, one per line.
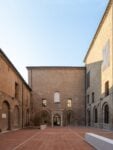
{"x":49,"y":139}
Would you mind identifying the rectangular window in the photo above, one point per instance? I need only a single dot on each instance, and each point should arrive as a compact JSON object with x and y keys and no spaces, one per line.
{"x":16,"y":90}
{"x":88,"y":79}
{"x":44,"y":102}
{"x":56,"y":97}
{"x":69,"y":103}
{"x":107,"y":88}
{"x":93,"y":97}
{"x":106,"y":56}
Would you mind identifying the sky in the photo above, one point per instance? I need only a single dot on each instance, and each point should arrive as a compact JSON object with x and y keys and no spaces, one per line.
{"x":48,"y":32}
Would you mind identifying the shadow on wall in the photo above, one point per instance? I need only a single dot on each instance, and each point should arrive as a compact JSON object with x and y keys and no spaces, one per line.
{"x":99,"y":106}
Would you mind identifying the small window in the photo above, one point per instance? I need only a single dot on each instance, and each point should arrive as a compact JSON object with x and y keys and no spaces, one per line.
{"x":93,"y":97}
{"x":44,"y":102}
{"x":107,"y":88}
{"x":57,"y":97}
{"x":88,"y":79}
{"x":16,"y":90}
{"x":69,"y":103}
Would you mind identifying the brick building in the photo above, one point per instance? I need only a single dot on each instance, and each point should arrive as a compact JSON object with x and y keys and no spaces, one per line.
{"x":62,"y":96}
{"x":58,"y":95}
{"x":14,"y":96}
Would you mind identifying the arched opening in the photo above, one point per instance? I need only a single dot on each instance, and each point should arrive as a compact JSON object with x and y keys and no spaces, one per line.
{"x":16,"y":117}
{"x":57,"y":120}
{"x":5,"y":116}
{"x":89,"y":118}
{"x":106,"y":113}
{"x":95,"y":112}
{"x":27,"y":117}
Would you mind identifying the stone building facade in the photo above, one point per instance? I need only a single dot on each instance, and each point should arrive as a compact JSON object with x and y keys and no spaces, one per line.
{"x":58,"y":95}
{"x":14,"y":96}
{"x":62,"y":96}
{"x":99,"y":74}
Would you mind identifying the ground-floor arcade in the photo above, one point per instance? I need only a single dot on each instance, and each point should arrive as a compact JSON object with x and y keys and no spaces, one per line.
{"x":100,"y":115}
{"x":55,"y":118}
{"x":12,"y":114}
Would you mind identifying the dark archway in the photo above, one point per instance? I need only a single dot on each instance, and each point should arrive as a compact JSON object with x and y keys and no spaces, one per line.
{"x":5,"y":116}
{"x":57,"y":120}
{"x":95,"y":115}
{"x":27,"y":117}
{"x":89,"y":118}
{"x":16,"y":117}
{"x":106,"y":113}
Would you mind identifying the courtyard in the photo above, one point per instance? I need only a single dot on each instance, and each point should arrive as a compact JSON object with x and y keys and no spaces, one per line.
{"x":58,"y":138}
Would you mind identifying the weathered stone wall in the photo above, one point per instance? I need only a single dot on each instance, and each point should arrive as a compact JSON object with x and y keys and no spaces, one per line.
{"x":69,"y":82}
{"x":13,"y":110}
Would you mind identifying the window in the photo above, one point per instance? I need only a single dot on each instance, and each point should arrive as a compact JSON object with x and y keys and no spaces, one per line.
{"x":93,"y":97}
{"x":44,"y":102}
{"x":88,"y":80}
{"x":16,"y":90}
{"x":57,"y":97}
{"x":69,"y":103}
{"x":106,"y":56}
{"x":107,"y":88}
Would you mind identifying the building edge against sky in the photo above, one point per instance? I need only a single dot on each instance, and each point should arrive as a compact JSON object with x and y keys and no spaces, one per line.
{"x":99,"y":74}
{"x":98,"y":97}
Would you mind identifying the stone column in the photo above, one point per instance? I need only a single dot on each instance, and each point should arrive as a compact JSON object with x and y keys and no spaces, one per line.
{"x":11,"y":119}
{"x":52,"y":119}
{"x":61,"y":119}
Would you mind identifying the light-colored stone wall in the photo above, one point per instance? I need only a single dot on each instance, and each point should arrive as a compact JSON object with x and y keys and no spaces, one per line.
{"x":95,"y":56}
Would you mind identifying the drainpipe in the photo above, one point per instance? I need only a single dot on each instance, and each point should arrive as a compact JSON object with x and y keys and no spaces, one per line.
{"x":22,"y":108}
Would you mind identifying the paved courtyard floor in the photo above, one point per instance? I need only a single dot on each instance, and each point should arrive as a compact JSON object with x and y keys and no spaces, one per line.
{"x":49,"y":139}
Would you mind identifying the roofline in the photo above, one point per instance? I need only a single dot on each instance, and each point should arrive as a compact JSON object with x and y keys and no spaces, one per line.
{"x":55,"y":67}
{"x":99,"y":27}
{"x":4,"y":55}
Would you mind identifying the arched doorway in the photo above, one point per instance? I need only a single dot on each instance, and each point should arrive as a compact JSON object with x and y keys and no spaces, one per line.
{"x":5,"y":116}
{"x":16,"y":117}
{"x":95,"y":115}
{"x":88,"y":118}
{"x":106,"y":113}
{"x":27,"y":117}
{"x":57,"y":120}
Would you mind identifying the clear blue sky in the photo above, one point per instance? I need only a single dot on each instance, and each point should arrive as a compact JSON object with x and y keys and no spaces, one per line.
{"x":48,"y":32}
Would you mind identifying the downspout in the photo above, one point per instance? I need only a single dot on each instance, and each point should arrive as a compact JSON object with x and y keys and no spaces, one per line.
{"x":22,"y":109}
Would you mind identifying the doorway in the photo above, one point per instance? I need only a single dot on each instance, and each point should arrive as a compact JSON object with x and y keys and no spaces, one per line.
{"x":5,"y":116}
{"x":57,"y":120}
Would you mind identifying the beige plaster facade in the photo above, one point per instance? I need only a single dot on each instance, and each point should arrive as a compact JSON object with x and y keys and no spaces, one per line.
{"x":99,"y":66}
